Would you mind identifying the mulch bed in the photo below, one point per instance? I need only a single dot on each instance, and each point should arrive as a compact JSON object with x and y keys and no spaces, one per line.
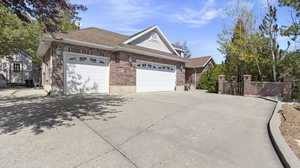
{"x":290,"y":126}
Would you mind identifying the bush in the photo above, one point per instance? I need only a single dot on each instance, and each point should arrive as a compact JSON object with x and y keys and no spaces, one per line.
{"x":209,"y":79}
{"x":203,"y":82}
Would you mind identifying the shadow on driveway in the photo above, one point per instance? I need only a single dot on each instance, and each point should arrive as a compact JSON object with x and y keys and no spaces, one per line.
{"x":39,"y":113}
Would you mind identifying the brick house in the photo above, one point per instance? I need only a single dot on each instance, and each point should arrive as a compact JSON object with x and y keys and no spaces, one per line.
{"x":93,"y":60}
{"x":195,"y":68}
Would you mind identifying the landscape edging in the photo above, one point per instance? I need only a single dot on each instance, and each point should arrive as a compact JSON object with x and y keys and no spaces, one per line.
{"x":285,"y":153}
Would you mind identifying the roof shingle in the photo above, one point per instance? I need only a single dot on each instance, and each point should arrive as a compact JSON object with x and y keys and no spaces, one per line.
{"x":95,"y":35}
{"x":197,"y":62}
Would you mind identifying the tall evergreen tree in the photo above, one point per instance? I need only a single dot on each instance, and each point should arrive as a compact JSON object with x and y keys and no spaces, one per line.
{"x":269,"y":29}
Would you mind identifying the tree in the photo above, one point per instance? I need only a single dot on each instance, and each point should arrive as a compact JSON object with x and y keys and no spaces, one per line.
{"x":16,"y":35}
{"x":290,"y":64}
{"x":209,"y":79}
{"x":46,"y":12}
{"x":187,"y":52}
{"x":270,"y":30}
{"x":292,"y":30}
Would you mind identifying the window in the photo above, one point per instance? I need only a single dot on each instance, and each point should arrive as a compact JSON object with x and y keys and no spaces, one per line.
{"x":82,"y":59}
{"x":72,"y":59}
{"x":17,"y":67}
{"x":93,"y":60}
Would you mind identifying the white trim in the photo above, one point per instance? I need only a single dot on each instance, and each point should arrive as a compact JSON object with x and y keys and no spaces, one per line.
{"x":149,"y":30}
{"x":136,"y":51}
{"x":85,"y":44}
{"x":165,"y":38}
{"x":139,"y":35}
{"x":207,"y":61}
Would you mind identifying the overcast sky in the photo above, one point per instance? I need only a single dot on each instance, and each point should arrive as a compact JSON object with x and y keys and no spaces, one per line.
{"x":198,"y":22}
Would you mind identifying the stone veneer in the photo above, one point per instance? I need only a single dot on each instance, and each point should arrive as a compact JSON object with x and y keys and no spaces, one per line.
{"x":122,"y":78}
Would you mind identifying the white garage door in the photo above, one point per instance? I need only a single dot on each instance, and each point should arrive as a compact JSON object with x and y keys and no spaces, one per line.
{"x":85,"y":74}
{"x":155,"y":77}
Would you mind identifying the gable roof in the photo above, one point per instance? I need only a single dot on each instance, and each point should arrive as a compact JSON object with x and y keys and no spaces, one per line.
{"x":141,"y":33}
{"x":198,"y":62}
{"x":103,"y":39}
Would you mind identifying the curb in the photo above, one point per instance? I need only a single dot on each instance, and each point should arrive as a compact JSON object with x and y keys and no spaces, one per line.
{"x":284,"y":152}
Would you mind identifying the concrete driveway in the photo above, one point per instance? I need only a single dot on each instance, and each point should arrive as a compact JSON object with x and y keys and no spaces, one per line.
{"x":167,"y":130}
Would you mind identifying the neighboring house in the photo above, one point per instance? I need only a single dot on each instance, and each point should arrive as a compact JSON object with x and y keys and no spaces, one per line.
{"x":195,"y":67}
{"x":16,"y":68}
{"x":93,"y":60}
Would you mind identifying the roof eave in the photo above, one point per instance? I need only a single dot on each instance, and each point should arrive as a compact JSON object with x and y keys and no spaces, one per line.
{"x":136,"y":51}
{"x":50,"y":39}
{"x":44,"y":45}
{"x":193,"y":66}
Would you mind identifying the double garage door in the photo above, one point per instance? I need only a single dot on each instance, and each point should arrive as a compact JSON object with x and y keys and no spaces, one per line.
{"x":89,"y":74}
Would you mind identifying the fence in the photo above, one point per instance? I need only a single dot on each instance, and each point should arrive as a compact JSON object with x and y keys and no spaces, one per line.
{"x":247,"y":87}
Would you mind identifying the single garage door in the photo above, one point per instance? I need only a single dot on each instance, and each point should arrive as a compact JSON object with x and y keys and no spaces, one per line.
{"x":151,"y":77}
{"x":85,"y":74}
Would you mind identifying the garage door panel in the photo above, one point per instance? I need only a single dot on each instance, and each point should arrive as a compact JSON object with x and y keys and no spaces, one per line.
{"x":84,"y":77}
{"x":154,"y":79}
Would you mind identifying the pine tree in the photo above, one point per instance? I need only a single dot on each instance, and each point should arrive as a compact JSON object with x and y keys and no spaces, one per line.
{"x":269,"y":29}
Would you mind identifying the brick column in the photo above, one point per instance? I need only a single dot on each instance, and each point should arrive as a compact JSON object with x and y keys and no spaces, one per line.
{"x":247,"y":85}
{"x":287,"y":87}
{"x":221,"y":79}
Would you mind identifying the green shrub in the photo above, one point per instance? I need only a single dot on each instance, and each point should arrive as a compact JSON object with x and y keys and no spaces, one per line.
{"x":209,"y":79}
{"x":203,"y":82}
{"x":296,"y":96}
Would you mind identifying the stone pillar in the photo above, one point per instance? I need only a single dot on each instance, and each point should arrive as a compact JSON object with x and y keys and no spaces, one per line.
{"x":221,"y":79}
{"x":247,"y":85}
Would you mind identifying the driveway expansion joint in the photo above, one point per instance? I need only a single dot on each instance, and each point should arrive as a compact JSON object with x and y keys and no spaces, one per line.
{"x":107,"y":141}
{"x":91,"y":159}
{"x":150,"y":126}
